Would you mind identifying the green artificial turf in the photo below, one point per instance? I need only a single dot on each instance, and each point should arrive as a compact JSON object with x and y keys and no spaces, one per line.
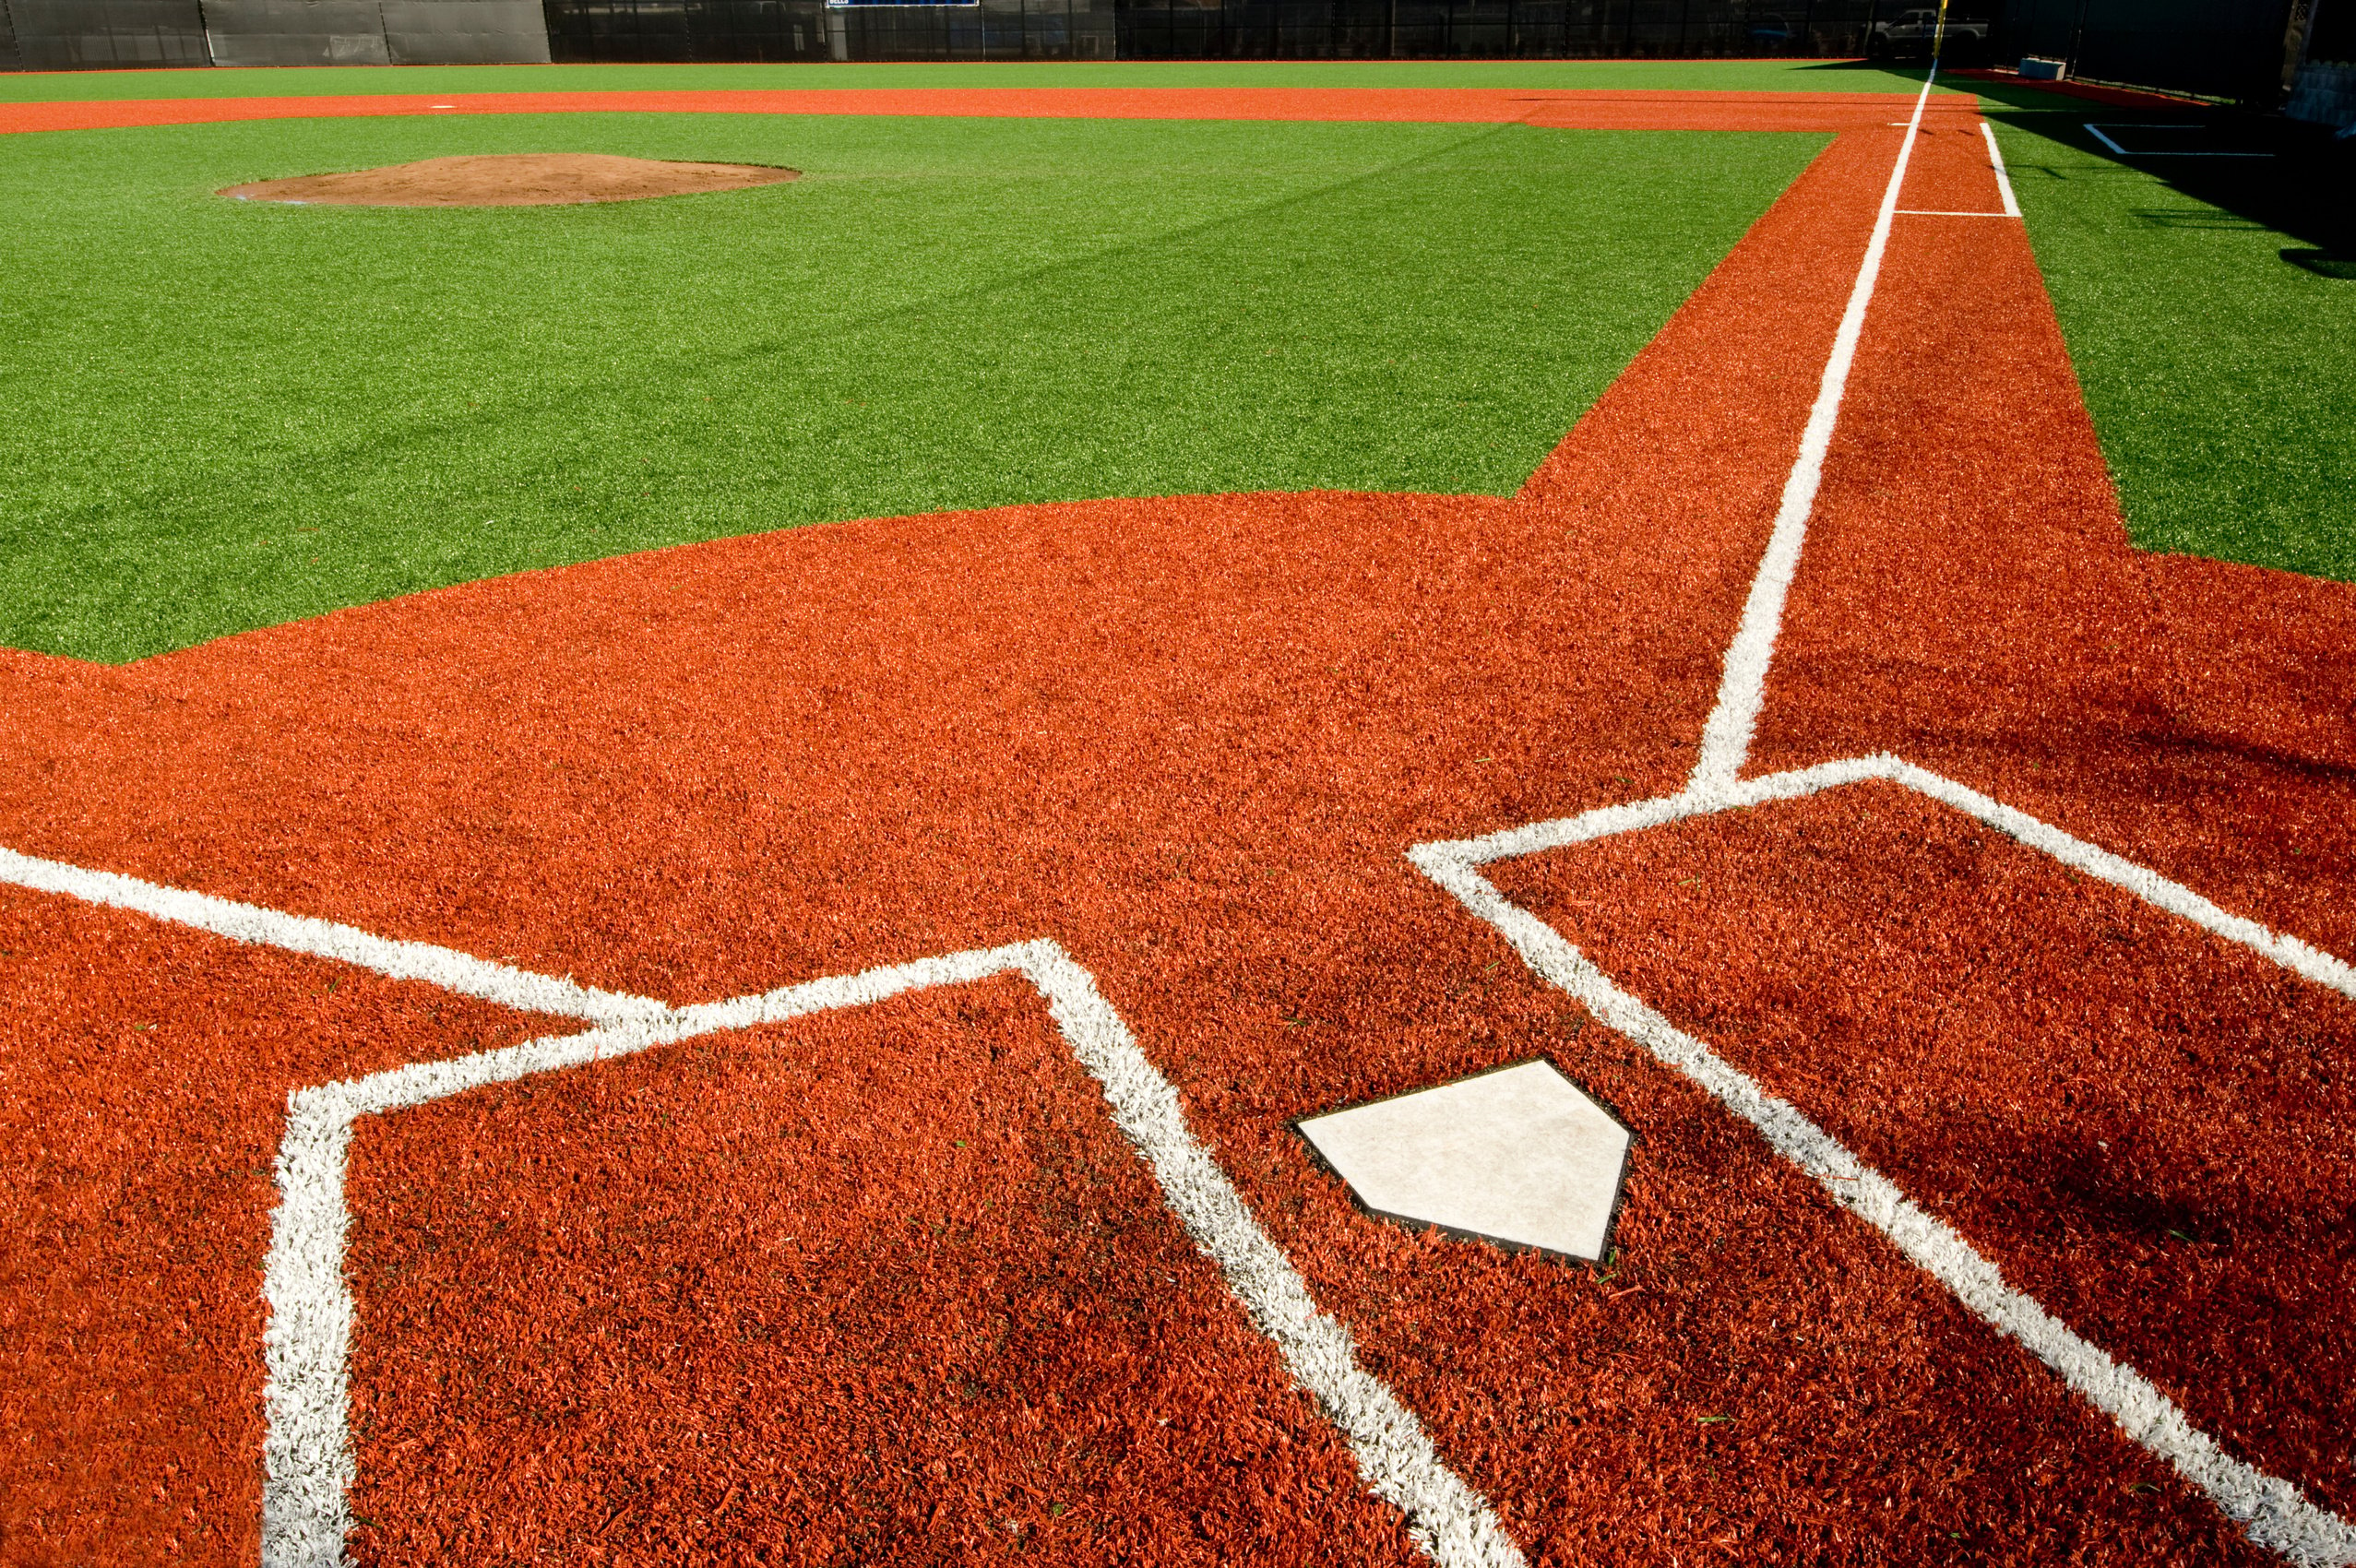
{"x":224,"y":414}
{"x":2221,"y":371}
{"x":1712,"y":76}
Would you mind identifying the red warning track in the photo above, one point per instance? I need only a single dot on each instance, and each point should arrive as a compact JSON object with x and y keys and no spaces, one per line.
{"x":1633,"y":111}
{"x":888,"y":1286}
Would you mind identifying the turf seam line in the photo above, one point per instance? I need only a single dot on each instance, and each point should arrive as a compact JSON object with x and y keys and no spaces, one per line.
{"x":2004,"y":175}
{"x":396,"y":959}
{"x":307,"y":1457}
{"x":2272,"y":1511}
{"x":1726,"y":736}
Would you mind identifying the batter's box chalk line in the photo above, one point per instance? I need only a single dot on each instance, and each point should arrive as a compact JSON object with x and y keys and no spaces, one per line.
{"x":308,"y":1466}
{"x":2273,"y":1512}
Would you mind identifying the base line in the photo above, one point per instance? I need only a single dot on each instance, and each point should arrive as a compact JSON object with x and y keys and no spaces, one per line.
{"x":1726,"y":737}
{"x":2097,"y":132}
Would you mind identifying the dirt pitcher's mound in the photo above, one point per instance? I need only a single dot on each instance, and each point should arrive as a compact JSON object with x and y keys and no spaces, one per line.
{"x":513,"y":179}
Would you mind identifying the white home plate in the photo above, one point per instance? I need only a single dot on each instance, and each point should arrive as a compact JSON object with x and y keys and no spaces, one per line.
{"x":1517,"y":1155}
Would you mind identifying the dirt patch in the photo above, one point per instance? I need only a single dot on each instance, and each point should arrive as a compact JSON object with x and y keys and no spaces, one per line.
{"x":513,"y":179}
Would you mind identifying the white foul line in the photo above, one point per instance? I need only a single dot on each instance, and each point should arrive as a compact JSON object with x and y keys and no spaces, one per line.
{"x":2273,"y":1512}
{"x":1726,"y":738}
{"x":309,"y":1465}
{"x":2003,"y":178}
{"x":308,"y":1460}
{"x":249,"y":924}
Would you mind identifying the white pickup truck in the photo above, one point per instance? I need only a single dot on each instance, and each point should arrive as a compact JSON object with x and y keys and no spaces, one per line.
{"x":1911,"y":32}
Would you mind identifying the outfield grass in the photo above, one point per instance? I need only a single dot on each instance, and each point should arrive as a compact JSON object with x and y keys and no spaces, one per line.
{"x":1658,"y":76}
{"x":2222,"y":376}
{"x":224,"y":415}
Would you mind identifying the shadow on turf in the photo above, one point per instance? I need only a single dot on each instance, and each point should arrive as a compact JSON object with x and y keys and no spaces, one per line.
{"x":2306,"y":189}
{"x":2303,"y":188}
{"x":2323,"y":263}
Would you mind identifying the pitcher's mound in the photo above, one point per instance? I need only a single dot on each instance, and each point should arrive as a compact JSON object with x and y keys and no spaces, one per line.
{"x":513,"y":179}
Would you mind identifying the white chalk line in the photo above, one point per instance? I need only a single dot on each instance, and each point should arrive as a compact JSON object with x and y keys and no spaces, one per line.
{"x":2004,"y":175}
{"x":308,"y":1461}
{"x":2273,"y":1512}
{"x":1450,"y":1521}
{"x":308,"y":1464}
{"x":251,"y":924}
{"x":2098,"y":134}
{"x":1741,"y":687}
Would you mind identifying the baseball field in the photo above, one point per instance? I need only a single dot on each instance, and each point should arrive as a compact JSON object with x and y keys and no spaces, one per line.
{"x":673,"y":870}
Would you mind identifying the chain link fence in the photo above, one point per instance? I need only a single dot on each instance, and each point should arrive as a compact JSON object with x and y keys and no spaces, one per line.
{"x":2245,"y":50}
{"x":1217,"y":29}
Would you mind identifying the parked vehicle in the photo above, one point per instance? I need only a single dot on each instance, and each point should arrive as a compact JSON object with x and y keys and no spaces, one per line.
{"x":1912,"y":33}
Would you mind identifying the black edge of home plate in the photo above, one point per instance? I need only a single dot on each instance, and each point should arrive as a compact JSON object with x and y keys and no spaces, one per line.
{"x":1619,"y":1187}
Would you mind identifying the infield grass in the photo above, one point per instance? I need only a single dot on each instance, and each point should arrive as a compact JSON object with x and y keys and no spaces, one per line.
{"x":2221,"y":371}
{"x":226,"y":414}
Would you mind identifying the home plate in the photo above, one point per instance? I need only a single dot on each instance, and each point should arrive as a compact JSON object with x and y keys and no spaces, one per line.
{"x":1517,"y":1155}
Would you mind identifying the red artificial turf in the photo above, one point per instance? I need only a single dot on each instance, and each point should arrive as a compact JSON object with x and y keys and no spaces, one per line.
{"x":1605,"y":111}
{"x":1190,"y":739}
{"x":883,"y":1286}
{"x":1968,"y":601}
{"x":2149,"y":1129}
{"x":144,"y":1070}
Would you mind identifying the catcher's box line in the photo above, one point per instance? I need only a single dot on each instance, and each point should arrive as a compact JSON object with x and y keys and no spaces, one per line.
{"x":308,"y":1464}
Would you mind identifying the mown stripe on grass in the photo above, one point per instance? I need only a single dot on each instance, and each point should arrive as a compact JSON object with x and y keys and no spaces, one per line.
{"x":230,"y":415}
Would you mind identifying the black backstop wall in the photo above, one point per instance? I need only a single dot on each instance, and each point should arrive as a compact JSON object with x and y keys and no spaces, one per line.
{"x":2215,"y":48}
{"x":1197,"y":30}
